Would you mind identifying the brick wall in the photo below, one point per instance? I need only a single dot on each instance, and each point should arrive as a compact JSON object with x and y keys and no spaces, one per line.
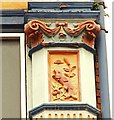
{"x":98,"y":98}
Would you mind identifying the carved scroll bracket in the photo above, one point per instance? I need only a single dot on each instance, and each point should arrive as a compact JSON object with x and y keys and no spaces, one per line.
{"x":35,"y":29}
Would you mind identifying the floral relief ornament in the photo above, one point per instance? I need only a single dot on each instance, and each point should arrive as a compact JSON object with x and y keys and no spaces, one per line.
{"x":65,"y":90}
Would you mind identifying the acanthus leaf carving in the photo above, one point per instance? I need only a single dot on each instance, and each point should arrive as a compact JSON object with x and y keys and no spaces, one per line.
{"x":34,"y":27}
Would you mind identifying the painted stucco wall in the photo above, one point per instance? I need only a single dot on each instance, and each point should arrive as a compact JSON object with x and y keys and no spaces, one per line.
{"x":40,"y":85}
{"x":65,"y":114}
{"x":17,"y":4}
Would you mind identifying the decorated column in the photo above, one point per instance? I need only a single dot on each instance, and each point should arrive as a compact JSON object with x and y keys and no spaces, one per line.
{"x":61,"y":52}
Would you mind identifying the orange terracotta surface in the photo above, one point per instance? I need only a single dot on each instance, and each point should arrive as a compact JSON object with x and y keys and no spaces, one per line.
{"x":12,"y":5}
{"x":64,"y":75}
{"x":32,"y":27}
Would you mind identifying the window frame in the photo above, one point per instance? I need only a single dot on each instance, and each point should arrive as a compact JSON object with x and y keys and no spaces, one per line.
{"x":21,"y":37}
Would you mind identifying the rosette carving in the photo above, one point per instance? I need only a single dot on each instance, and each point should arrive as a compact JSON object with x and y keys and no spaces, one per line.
{"x":35,"y":29}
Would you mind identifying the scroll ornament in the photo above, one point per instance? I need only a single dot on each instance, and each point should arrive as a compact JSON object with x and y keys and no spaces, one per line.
{"x":35,"y":29}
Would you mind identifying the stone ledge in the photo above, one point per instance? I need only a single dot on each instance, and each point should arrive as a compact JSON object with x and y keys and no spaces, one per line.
{"x":69,"y":45}
{"x":63,"y":107}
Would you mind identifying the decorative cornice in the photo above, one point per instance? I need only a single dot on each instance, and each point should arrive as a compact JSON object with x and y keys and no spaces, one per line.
{"x":68,"y":45}
{"x":63,"y":107}
{"x":35,"y":29}
{"x":12,"y":21}
{"x":34,"y":14}
{"x":61,"y":10}
{"x":53,"y":5}
{"x":11,"y":13}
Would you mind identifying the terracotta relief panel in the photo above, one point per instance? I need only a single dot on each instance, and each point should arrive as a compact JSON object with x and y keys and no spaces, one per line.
{"x":63,"y":75}
{"x":38,"y":31}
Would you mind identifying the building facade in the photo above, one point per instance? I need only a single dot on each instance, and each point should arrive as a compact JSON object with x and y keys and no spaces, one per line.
{"x":54,"y":60}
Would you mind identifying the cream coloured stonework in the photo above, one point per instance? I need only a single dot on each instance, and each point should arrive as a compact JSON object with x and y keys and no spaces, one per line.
{"x":40,"y":86}
{"x":65,"y":114}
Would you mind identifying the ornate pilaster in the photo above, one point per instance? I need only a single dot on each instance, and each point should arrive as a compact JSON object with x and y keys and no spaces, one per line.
{"x":63,"y":71}
{"x":60,"y":40}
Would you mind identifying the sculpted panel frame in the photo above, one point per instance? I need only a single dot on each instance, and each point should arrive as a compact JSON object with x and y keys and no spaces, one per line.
{"x":63,"y":74}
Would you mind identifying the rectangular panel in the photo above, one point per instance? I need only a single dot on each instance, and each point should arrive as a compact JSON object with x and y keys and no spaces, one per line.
{"x":11,"y":81}
{"x":63,"y":75}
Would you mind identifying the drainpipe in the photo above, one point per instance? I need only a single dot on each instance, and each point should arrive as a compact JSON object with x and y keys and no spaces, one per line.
{"x":103,"y":69}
